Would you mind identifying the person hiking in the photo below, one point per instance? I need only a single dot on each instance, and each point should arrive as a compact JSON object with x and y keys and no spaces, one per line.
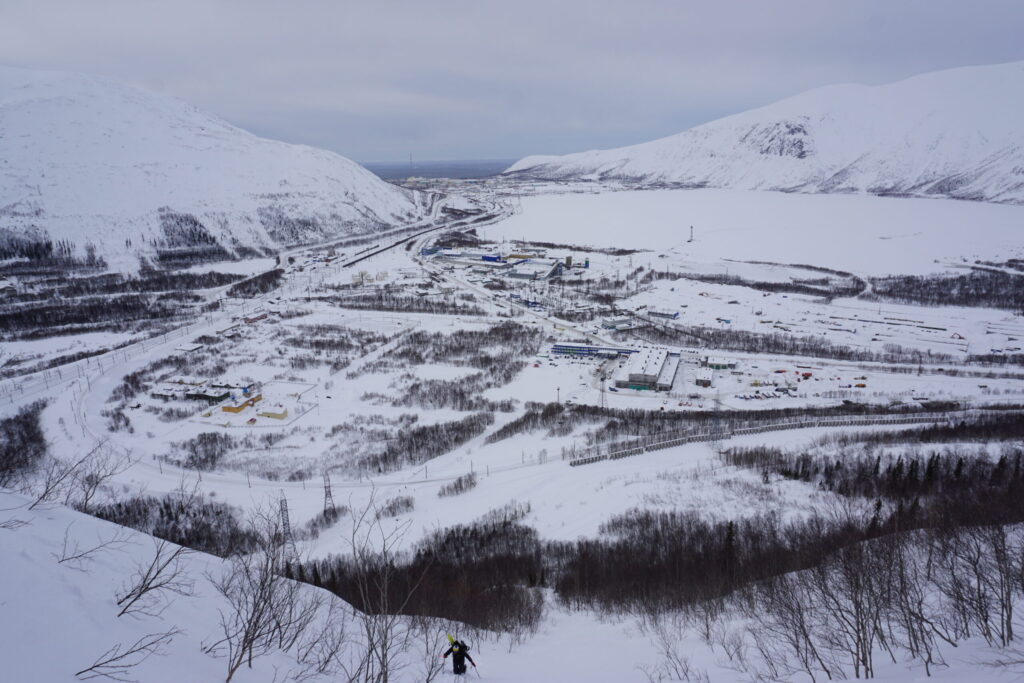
{"x":460,"y":653}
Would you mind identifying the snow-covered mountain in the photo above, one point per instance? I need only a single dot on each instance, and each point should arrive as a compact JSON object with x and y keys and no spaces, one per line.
{"x":957,"y":133}
{"x":87,"y":161}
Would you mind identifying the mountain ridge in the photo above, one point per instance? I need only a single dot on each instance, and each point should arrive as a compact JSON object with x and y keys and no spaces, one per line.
{"x":89,"y":163}
{"x":953,"y":133}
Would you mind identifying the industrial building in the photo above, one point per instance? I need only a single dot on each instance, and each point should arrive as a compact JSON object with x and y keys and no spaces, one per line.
{"x":704,"y":378}
{"x":208,"y":394}
{"x":535,"y":270}
{"x":590,"y":350}
{"x":478,"y":259}
{"x":661,"y":313}
{"x":651,"y":368}
{"x":667,"y":376}
{"x":718,"y":363}
{"x":242,"y":406}
{"x":625,"y":323}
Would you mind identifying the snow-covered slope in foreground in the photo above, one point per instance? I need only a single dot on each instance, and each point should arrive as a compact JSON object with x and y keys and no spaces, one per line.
{"x":58,"y":618}
{"x":956,"y":133}
{"x":88,"y":160}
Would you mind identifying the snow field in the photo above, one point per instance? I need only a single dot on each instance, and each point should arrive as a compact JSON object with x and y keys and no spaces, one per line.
{"x":861,"y":234}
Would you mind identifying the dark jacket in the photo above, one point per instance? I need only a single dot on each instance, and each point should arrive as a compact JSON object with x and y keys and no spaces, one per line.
{"x":460,"y":653}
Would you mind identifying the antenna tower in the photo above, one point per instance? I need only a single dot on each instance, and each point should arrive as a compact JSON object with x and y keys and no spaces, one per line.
{"x":328,"y":497}
{"x":286,"y":527}
{"x":718,"y":416}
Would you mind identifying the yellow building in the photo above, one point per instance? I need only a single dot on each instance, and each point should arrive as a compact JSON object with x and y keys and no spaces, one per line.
{"x":242,"y":406}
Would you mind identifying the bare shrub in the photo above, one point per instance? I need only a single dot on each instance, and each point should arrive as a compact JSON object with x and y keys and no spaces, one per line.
{"x":396,"y":506}
{"x":151,"y":582}
{"x":462,"y":484}
{"x":117,"y":662}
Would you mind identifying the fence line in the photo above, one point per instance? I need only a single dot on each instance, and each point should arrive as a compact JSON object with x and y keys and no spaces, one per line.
{"x":639,"y":446}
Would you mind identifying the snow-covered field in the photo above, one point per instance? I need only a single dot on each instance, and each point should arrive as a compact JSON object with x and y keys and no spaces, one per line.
{"x":861,"y":234}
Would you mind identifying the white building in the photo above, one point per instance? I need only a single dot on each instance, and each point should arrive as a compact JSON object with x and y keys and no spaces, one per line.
{"x":718,"y":363}
{"x":536,"y":270}
{"x":649,"y":368}
{"x":667,"y":377}
{"x":625,"y":323}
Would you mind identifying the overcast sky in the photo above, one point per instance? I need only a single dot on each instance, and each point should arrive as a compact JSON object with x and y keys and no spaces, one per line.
{"x":472,"y":79}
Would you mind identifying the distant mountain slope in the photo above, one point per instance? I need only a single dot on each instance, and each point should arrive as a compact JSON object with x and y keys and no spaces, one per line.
{"x":956,"y":133}
{"x":87,"y":161}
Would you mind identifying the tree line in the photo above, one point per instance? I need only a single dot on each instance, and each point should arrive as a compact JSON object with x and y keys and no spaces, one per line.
{"x":482,"y":574}
{"x":417,"y":444}
{"x":616,"y":423}
{"x":979,"y":287}
{"x":849,"y":286}
{"x":22,"y":443}
{"x":189,"y":520}
{"x":782,"y":344}
{"x":382,"y":300}
{"x":93,"y":314}
{"x":498,"y":352}
{"x":257,"y":284}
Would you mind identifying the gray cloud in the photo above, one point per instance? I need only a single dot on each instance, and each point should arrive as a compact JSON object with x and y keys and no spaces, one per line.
{"x":471,"y":79}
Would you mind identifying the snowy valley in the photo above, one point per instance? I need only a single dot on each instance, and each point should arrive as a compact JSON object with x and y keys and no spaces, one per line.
{"x":621,"y":416}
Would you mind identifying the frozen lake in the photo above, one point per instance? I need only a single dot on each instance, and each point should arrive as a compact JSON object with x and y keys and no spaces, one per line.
{"x":866,"y":234}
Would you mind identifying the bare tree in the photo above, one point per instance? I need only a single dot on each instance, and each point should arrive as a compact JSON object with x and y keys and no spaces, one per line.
{"x":74,"y":554}
{"x":54,"y":479}
{"x":95,"y":471}
{"x":919,"y":623}
{"x":248,"y":586}
{"x":1004,"y":569}
{"x":666,"y":630}
{"x":785,"y":630}
{"x":117,"y":662}
{"x":429,"y":634}
{"x":851,"y":587}
{"x":318,"y":651}
{"x":969,"y":582}
{"x":265,"y":610}
{"x":163,"y":574}
{"x":384,"y":631}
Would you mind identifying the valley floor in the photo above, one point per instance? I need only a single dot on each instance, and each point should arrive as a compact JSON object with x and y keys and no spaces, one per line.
{"x":395,"y":376}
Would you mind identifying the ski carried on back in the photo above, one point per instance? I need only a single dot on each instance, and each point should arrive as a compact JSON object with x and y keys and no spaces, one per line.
{"x":460,"y":653}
